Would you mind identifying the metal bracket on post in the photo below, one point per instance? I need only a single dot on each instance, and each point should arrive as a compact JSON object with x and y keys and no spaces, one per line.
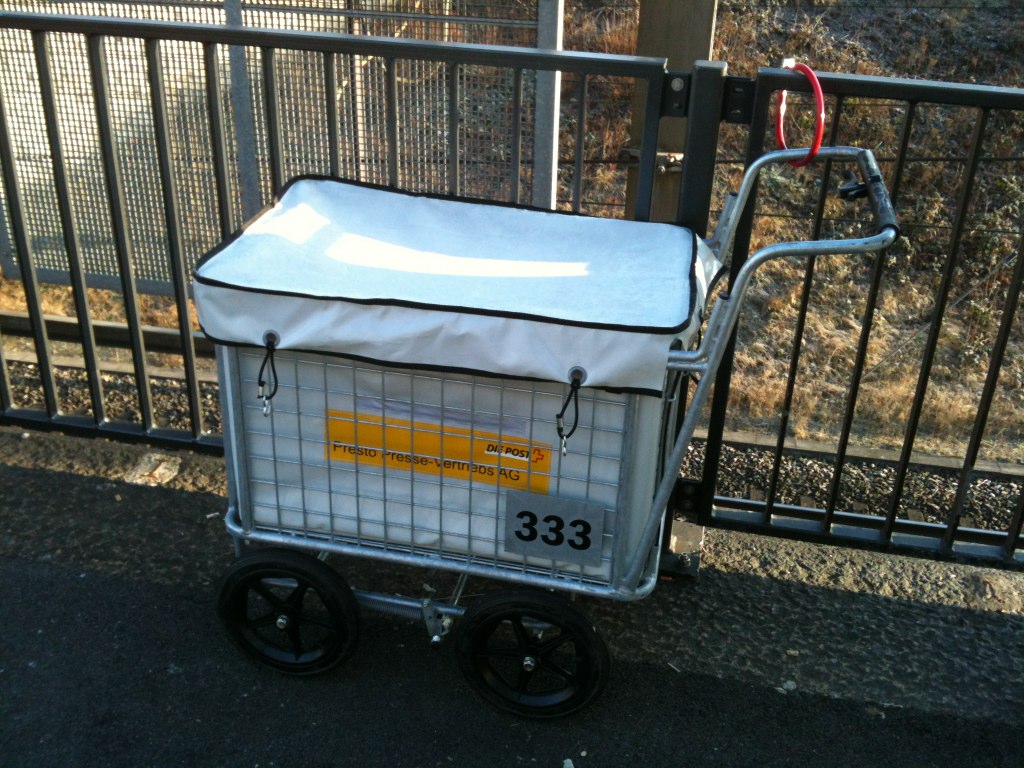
{"x":438,"y":624}
{"x":684,"y":539}
{"x":675,"y":100}
{"x":667,"y":162}
{"x":738,"y":101}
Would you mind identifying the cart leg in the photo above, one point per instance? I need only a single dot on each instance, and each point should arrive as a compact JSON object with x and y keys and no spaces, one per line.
{"x":681,"y":556}
{"x":438,"y":621}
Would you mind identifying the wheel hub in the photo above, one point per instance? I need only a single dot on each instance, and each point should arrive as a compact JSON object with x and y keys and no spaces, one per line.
{"x":529,"y":663}
{"x":283,"y":622}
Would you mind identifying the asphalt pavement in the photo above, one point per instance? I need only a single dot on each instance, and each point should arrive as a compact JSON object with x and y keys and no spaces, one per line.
{"x":112,"y":654}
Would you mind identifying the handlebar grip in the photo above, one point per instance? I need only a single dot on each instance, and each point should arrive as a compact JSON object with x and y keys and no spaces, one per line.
{"x":878,"y":195}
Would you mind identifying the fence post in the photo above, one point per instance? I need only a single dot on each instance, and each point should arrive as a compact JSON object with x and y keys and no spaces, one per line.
{"x":242,"y":109}
{"x":683,"y":31}
{"x":550,"y":14}
{"x":7,"y":261}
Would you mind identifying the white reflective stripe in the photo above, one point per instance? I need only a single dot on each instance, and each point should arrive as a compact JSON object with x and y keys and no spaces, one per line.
{"x":408,"y":336}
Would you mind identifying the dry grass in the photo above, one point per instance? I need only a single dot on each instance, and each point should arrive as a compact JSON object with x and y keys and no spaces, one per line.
{"x":960,"y":45}
{"x":982,"y":45}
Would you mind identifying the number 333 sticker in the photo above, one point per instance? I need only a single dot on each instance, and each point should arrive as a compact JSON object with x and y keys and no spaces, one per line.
{"x":553,"y":528}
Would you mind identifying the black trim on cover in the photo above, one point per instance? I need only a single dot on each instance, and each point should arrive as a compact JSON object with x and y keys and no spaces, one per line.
{"x":437,"y":368}
{"x":442,"y":307}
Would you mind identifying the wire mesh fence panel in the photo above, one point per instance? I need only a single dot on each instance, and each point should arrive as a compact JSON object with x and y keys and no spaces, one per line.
{"x":304,"y":81}
{"x":144,"y":144}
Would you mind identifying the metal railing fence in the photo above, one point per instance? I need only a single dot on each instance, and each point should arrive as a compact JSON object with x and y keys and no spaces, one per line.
{"x":162,"y":386}
{"x":359,"y":110}
{"x":952,"y":154}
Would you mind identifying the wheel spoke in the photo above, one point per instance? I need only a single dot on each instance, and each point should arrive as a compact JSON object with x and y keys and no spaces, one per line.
{"x":559,"y":671}
{"x":523,"y":681}
{"x":522,"y":636}
{"x":294,"y":600}
{"x":267,"y":595}
{"x":547,"y":647}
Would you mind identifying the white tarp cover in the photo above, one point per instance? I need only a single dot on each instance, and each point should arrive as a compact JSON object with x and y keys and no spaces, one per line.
{"x":418,"y":280}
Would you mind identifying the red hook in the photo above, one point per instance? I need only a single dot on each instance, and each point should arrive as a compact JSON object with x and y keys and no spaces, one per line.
{"x":819,"y":122}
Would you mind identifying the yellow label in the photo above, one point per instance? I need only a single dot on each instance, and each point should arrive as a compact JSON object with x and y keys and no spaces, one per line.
{"x":369,"y":440}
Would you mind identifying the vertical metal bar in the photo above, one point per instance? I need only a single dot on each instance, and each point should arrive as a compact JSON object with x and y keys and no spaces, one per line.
{"x":303,"y":485}
{"x":741,"y":246}
{"x":932,"y":344}
{"x":581,"y":133}
{"x":323,"y":408}
{"x":355,"y":442}
{"x":454,"y":96}
{"x":386,"y":501}
{"x":704,"y":114}
{"x":442,"y":429}
{"x":215,"y":106}
{"x":118,"y":217}
{"x":648,"y":148}
{"x":72,"y":244}
{"x":801,"y":323}
{"x":867,"y":324}
{"x":391,"y":120}
{"x":412,"y":463}
{"x":331,"y":90}
{"x":547,"y":107}
{"x":1013,"y":532}
{"x":5,"y":380}
{"x":243,"y":115}
{"x":175,"y":235}
{"x":26,"y":264}
{"x":274,"y":144}
{"x":517,"y":136}
{"x":901,"y":154}
{"x":987,"y":394}
{"x":356,"y":93}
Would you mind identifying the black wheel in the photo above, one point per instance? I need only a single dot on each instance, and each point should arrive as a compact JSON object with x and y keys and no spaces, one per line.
{"x":531,"y":653}
{"x":289,"y":610}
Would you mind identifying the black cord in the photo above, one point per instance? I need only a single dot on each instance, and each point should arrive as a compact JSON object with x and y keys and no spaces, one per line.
{"x":268,"y":360}
{"x":574,"y":398}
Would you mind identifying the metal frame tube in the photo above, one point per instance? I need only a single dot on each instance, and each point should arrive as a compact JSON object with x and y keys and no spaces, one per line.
{"x":708,"y":356}
{"x":275,"y":143}
{"x":26,"y":264}
{"x":175,"y":233}
{"x":72,"y":244}
{"x":580,"y":138}
{"x":391,"y":119}
{"x":454,"y":126}
{"x":517,"y":137}
{"x":218,"y":142}
{"x":333,"y":129}
{"x":122,"y":238}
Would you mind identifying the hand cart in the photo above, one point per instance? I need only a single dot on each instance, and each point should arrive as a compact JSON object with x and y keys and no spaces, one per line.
{"x":477,"y":388}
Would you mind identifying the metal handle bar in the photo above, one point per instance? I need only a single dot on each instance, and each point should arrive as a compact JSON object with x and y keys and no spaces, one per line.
{"x":708,"y":356}
{"x":878,"y":195}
